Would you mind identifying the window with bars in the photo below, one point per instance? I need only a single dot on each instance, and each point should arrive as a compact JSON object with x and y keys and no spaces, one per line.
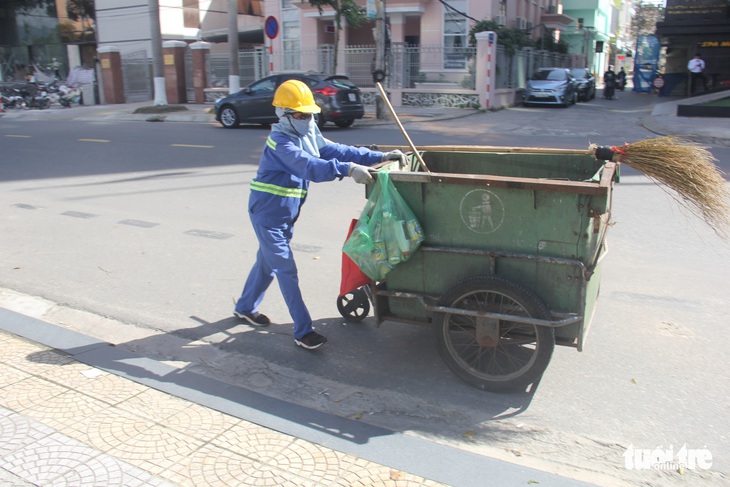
{"x":290,"y":34}
{"x":455,"y":30}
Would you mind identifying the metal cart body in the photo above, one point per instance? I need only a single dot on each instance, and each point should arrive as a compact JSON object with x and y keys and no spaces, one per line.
{"x":534,"y":220}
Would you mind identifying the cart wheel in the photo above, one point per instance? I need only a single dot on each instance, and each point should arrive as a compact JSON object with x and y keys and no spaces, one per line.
{"x":493,"y":354}
{"x":354,"y":306}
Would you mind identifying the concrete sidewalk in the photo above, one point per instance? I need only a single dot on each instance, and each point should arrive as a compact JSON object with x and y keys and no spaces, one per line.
{"x":77,"y":411}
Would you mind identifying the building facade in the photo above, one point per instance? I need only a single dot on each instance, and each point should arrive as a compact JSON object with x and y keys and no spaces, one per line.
{"x":590,"y":34}
{"x":691,"y":27}
{"x":427,"y":23}
{"x":32,"y":34}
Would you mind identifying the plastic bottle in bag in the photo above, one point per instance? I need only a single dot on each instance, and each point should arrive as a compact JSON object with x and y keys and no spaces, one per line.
{"x":390,"y":236}
{"x":415,"y":232}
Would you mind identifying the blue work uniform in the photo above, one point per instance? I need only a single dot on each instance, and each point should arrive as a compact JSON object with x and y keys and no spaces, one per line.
{"x":277,"y":194}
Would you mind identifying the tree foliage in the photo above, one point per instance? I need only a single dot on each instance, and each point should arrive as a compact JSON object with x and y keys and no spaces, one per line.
{"x":645,"y":19}
{"x":80,"y":9}
{"x":344,"y":9}
{"x":48,"y":5}
{"x":515,"y":39}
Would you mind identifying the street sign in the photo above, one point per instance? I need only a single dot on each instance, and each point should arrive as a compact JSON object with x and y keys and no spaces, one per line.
{"x":370,"y":9}
{"x":491,"y":38}
{"x":658,"y":82}
{"x":271,"y":27}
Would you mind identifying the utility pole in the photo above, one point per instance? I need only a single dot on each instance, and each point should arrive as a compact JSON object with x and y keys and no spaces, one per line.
{"x":234,"y":77}
{"x":158,"y":69}
{"x":379,"y":35}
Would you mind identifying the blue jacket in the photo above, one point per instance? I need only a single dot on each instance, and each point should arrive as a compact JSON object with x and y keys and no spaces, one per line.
{"x":285,"y":170}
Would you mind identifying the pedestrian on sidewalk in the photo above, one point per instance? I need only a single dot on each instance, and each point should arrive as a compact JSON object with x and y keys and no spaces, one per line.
{"x":295,"y":154}
{"x":696,"y":67}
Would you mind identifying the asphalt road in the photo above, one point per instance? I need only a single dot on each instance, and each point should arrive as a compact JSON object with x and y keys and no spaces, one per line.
{"x":137,"y":233}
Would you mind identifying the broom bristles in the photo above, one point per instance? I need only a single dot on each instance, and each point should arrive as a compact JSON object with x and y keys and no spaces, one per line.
{"x":689,"y":170}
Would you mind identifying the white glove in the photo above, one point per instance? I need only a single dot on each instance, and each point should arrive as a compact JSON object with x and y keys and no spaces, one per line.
{"x":395,"y":155}
{"x":359,"y":173}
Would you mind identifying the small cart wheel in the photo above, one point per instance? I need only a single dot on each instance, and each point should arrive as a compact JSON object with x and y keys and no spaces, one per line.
{"x":354,"y":306}
{"x":494,"y":354}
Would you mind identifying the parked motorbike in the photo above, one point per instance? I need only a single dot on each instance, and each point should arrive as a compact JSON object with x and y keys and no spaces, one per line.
{"x":12,"y":98}
{"x":59,"y":94}
{"x":34,"y":96}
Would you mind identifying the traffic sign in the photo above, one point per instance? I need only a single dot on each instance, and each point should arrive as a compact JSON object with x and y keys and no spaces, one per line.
{"x":271,"y":27}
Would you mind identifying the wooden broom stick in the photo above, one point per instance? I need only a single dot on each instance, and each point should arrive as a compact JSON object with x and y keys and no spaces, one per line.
{"x":400,"y":126}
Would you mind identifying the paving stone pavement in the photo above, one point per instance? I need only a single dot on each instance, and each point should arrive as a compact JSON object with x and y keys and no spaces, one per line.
{"x":65,"y":423}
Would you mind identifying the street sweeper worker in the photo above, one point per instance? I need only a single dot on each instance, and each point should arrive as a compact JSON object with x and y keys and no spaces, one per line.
{"x":295,"y":154}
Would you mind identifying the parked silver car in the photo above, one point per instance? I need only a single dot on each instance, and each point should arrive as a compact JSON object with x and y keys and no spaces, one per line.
{"x":551,"y":86}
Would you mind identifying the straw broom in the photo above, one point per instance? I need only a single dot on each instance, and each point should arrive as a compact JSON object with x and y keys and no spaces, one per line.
{"x":688,"y":169}
{"x":685,"y":168}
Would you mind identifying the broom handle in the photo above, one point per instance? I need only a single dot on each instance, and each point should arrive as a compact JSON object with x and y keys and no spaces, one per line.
{"x":400,"y":126}
{"x":487,"y":148}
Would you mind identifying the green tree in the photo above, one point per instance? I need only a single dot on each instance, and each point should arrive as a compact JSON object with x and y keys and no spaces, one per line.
{"x":515,"y":39}
{"x":82,"y":10}
{"x":348,"y":10}
{"x":511,"y":39}
{"x":645,"y":19}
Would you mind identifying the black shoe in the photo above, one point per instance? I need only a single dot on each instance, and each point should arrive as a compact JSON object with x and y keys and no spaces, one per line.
{"x":257,"y":319}
{"x":311,"y":340}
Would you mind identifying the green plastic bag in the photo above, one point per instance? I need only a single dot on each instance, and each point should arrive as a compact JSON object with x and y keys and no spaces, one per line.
{"x":387,"y":232}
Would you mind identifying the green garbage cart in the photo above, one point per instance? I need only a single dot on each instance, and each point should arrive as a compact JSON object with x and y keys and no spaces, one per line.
{"x":510,"y":264}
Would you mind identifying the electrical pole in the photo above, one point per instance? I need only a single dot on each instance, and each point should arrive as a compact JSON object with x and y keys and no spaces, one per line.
{"x":158,"y":68}
{"x":379,"y":35}
{"x":234,"y":76}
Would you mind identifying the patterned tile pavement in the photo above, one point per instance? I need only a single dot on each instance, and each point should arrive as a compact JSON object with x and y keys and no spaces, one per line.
{"x":64,"y":423}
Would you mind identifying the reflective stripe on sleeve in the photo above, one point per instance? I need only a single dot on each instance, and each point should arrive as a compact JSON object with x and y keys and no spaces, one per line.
{"x":271,"y":143}
{"x":278,"y":190}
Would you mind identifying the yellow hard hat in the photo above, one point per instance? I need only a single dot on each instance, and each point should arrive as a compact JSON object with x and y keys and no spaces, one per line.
{"x":295,"y":95}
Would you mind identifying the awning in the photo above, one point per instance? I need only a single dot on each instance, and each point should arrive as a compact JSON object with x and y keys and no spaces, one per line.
{"x":556,"y":21}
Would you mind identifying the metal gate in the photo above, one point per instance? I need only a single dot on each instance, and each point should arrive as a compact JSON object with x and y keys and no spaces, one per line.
{"x":189,"y":85}
{"x":253,"y":64}
{"x":137,"y":75}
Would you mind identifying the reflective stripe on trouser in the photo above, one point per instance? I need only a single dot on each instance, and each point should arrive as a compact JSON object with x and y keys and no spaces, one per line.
{"x":275,"y":258}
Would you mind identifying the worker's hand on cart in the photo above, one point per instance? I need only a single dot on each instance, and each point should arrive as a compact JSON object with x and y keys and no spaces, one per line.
{"x":395,"y":155}
{"x":359,"y":173}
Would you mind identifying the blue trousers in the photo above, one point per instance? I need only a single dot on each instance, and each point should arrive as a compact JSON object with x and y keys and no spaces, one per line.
{"x":274,"y":258}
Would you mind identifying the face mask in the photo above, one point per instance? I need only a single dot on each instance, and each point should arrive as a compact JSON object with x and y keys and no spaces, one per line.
{"x":301,"y":127}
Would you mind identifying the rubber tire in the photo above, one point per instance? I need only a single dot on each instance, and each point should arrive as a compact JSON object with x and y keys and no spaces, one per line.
{"x":229,"y":117}
{"x":528,"y":303}
{"x":354,"y":306}
{"x":343,"y":124}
